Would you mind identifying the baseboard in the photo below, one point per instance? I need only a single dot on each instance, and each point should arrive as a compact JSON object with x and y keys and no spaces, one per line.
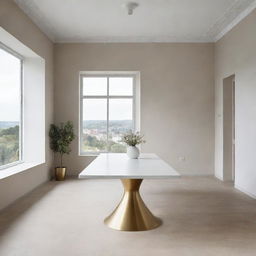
{"x":73,"y":175}
{"x":245,"y":192}
{"x":218,"y":177}
{"x":185,"y":174}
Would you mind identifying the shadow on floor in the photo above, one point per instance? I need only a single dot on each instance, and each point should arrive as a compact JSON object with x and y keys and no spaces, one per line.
{"x":16,"y":210}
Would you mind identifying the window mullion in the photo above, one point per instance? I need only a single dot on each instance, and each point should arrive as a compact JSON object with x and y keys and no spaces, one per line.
{"x":105,"y":97}
{"x":21,"y":114}
{"x":94,"y":97}
{"x":134,"y":104}
{"x":107,"y":114}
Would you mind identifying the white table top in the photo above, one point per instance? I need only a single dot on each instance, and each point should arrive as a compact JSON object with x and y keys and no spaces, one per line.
{"x":119,"y":166}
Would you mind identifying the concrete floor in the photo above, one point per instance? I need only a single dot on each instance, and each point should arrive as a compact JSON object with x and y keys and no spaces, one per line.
{"x":201,"y":216}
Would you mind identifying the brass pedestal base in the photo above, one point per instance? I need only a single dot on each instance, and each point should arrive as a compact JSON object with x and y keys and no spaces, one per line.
{"x":132,"y":214}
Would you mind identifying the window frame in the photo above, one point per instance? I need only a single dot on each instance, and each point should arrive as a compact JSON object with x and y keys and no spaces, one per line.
{"x":21,"y":138}
{"x":107,"y":97}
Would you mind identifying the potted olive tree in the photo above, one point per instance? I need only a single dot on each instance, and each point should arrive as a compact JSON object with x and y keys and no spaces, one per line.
{"x":60,"y":138}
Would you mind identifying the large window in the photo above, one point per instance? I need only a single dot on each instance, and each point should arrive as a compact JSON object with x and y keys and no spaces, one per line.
{"x":10,"y":107}
{"x":107,"y":110}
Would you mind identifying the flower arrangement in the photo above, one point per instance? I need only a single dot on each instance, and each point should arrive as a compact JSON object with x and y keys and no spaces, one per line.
{"x":133,"y":139}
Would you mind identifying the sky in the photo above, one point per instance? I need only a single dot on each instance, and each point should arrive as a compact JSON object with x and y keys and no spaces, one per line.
{"x":9,"y":87}
{"x":122,"y":86}
{"x":96,"y":109}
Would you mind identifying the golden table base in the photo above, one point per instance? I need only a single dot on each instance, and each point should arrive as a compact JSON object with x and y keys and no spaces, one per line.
{"x":132,"y":214}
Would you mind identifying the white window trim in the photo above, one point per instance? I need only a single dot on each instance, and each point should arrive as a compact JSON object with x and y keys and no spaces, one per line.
{"x":135,"y":97}
{"x":21,"y":140}
{"x":34,"y":132}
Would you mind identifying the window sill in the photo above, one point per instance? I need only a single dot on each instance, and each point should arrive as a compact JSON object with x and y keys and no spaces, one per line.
{"x":90,"y":154}
{"x":95,"y":154}
{"x":4,"y":173}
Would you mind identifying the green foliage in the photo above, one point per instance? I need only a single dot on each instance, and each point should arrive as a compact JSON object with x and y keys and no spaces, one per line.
{"x":10,"y":131}
{"x":9,"y":145}
{"x":61,"y":137}
{"x":117,"y":148}
{"x":91,"y":143}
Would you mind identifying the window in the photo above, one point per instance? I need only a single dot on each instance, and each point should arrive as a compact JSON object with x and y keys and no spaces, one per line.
{"x":10,"y":107}
{"x":107,"y":111}
{"x":22,"y":107}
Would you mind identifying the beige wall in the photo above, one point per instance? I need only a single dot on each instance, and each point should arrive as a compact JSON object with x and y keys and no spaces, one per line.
{"x":227,"y":128}
{"x":235,"y":54}
{"x":177,"y":96}
{"x":20,"y":26}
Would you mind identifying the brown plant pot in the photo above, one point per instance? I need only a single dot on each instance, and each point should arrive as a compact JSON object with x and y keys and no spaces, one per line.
{"x":60,"y":173}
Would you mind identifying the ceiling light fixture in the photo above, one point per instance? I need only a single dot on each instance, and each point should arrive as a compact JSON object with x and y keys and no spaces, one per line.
{"x":130,"y":6}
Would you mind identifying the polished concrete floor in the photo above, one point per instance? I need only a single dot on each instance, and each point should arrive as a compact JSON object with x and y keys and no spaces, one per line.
{"x":201,"y":216}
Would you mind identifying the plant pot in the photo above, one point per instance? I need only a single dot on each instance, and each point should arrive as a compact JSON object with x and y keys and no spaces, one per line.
{"x":60,"y":173}
{"x":133,"y":152}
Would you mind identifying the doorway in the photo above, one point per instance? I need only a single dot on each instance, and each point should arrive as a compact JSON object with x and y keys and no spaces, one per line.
{"x":229,"y":128}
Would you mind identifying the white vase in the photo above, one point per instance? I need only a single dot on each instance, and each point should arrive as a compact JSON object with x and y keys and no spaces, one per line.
{"x":133,"y":152}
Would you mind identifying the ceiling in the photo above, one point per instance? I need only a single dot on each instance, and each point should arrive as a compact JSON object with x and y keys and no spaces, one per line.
{"x":152,"y":21}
